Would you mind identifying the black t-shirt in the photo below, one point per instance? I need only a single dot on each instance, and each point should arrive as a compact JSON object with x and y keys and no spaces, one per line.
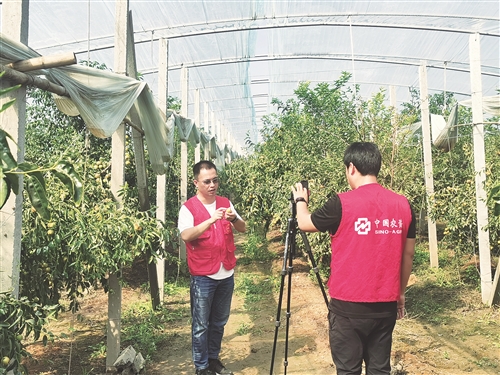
{"x":327,"y":219}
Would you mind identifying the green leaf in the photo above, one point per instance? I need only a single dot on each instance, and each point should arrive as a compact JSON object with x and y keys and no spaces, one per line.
{"x":494,"y":193}
{"x":8,"y":161}
{"x":496,"y":209}
{"x":32,"y":170}
{"x":65,"y":172}
{"x":38,"y":198}
{"x":9,"y":89}
{"x":4,"y":189}
{"x":7,"y":105}
{"x":14,"y":181}
{"x":494,"y":196}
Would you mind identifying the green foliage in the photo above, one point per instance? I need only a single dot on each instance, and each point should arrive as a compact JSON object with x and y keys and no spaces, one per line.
{"x":254,"y":288}
{"x":306,"y":140}
{"x":20,"y":319}
{"x":143,"y":326}
{"x":494,"y":197}
{"x":441,"y":291}
{"x":81,"y":244}
{"x":10,"y":171}
{"x":454,"y":203}
{"x":255,"y":247}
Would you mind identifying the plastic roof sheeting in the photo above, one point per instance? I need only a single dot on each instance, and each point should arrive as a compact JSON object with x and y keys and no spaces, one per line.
{"x":241,"y":54}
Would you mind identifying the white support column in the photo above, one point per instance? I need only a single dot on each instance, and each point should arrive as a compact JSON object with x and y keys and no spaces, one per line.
{"x":161,"y":180}
{"x":197,"y":122}
{"x":392,"y":99}
{"x":218,"y":132}
{"x":117,"y":181}
{"x":428,"y":174}
{"x":15,"y":15}
{"x":213,"y":126}
{"x":184,"y":147}
{"x":479,"y":166}
{"x":227,"y":142}
{"x":206,"y":129}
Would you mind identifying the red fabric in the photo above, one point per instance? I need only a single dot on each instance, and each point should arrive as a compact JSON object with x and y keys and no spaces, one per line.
{"x":214,"y":246}
{"x":368,"y":245}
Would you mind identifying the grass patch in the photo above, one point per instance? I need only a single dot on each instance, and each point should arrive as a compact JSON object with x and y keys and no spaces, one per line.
{"x":255,"y":248}
{"x":243,"y":328}
{"x":253,"y":288}
{"x":142,"y":327}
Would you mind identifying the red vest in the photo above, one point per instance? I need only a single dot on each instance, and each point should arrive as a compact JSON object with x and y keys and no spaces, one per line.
{"x":214,"y":246}
{"x":368,"y":245}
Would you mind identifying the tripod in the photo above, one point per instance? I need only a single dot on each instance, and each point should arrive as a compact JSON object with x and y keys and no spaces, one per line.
{"x":287,"y":269}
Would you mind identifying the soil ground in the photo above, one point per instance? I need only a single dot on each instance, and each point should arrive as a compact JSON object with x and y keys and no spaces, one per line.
{"x":459,"y":340}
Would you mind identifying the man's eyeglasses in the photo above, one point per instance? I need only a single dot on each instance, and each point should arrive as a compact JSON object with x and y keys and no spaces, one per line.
{"x":215,"y":181}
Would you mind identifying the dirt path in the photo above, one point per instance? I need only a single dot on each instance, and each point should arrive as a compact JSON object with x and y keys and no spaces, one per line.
{"x":250,"y":353}
{"x":463,"y":340}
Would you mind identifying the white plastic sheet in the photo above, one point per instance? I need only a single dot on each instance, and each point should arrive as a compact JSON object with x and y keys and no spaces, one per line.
{"x":491,"y":104}
{"x":103,"y":99}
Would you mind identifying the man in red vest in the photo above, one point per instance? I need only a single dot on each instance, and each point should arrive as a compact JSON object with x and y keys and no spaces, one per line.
{"x":206,"y":223}
{"x":372,"y":233}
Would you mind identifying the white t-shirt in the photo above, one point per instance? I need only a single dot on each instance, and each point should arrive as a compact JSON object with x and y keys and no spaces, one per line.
{"x":186,"y":221}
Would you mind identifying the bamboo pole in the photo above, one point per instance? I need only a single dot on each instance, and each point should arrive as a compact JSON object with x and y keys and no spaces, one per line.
{"x":27,"y":79}
{"x":43,"y":62}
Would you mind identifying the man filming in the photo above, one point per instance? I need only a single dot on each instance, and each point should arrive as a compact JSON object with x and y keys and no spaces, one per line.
{"x":372,"y":233}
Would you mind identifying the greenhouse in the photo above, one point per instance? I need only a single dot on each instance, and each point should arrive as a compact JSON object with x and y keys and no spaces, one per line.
{"x":107,"y":105}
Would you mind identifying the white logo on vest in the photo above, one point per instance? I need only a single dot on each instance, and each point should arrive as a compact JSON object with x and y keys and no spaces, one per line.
{"x":362,"y":225}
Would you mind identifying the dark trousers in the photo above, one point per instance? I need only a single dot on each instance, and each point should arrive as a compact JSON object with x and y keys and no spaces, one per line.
{"x":210,"y":308}
{"x":354,"y":340}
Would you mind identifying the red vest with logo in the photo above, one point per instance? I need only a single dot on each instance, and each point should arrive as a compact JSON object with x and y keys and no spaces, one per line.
{"x":368,"y":245}
{"x":215,"y":245}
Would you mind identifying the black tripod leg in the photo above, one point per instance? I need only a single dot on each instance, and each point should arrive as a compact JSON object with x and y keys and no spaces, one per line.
{"x":289,"y":295}
{"x":315,"y":267}
{"x":286,"y":255}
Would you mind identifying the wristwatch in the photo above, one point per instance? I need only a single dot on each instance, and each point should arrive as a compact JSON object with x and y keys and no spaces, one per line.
{"x":300,"y":199}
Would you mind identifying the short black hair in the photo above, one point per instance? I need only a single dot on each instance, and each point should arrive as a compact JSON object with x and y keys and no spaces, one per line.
{"x":203,"y":164}
{"x":365,"y":156}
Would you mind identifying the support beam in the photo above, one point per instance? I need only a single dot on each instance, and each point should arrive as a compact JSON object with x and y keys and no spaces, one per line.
{"x":197,"y":122}
{"x":184,"y":147}
{"x":15,"y":15}
{"x":206,"y":129}
{"x":161,"y":180}
{"x":428,"y":174}
{"x":480,"y":167}
{"x":140,"y":165}
{"x":117,"y":181}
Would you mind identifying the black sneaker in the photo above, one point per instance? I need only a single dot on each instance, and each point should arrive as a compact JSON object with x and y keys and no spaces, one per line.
{"x":205,"y":371}
{"x":218,"y":368}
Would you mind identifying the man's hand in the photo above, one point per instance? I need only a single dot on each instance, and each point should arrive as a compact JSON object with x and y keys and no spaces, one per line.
{"x":230,"y":215}
{"x":218,"y":214}
{"x":401,"y":307}
{"x":300,"y":192}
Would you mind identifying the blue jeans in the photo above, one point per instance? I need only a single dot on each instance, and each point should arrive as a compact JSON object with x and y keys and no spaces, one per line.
{"x":210,"y":308}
